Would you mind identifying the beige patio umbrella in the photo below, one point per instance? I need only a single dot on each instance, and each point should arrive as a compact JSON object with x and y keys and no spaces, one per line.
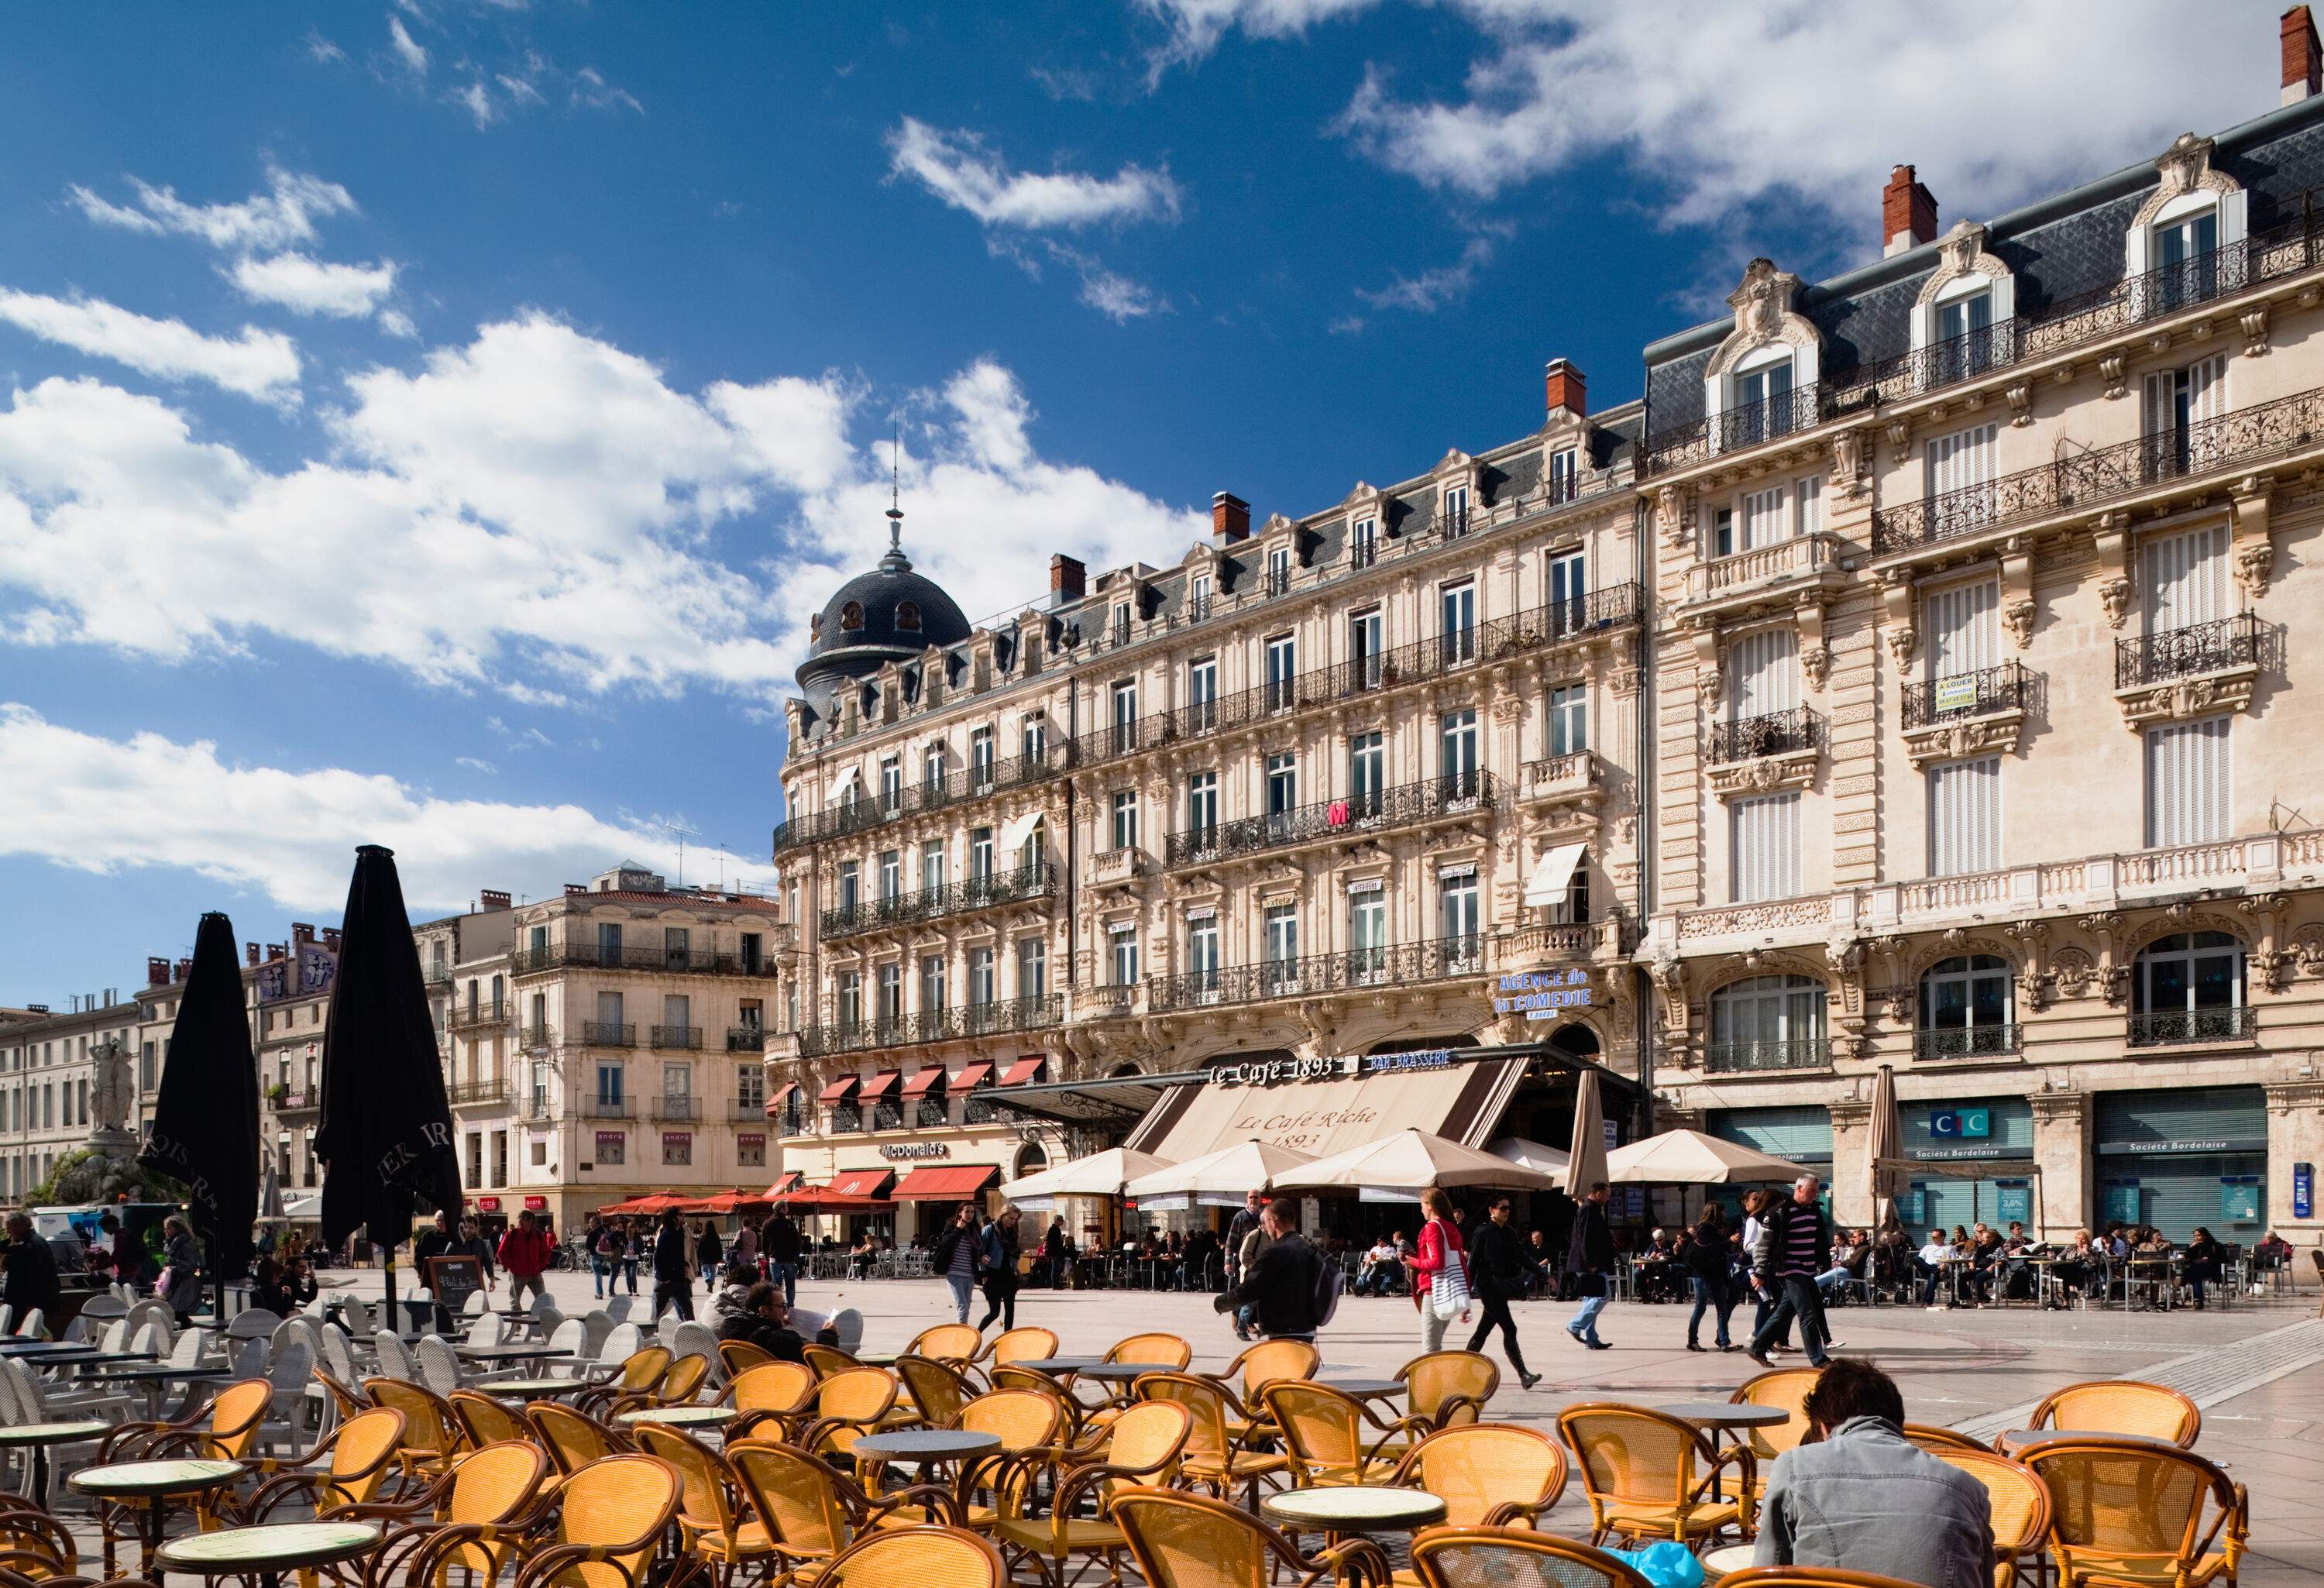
{"x":1247,"y":1166}
{"x":1690,"y":1158}
{"x":1585,"y":1157}
{"x":1884,"y":1181}
{"x":1101,"y":1173}
{"x":1530,"y":1155}
{"x":1410,"y":1160}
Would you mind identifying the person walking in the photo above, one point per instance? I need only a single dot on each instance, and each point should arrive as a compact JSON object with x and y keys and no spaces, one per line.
{"x":1240,"y":1229}
{"x":1253,"y":1245}
{"x":999,"y":1257}
{"x":181,"y":1264}
{"x":605,"y":1256}
{"x":1440,"y":1271}
{"x":1703,"y":1255}
{"x":745,"y":1249}
{"x":1059,"y":1259}
{"x":1496,"y":1266}
{"x":956,"y":1257}
{"x":1756,"y":1206}
{"x":710,"y":1252}
{"x":1590,"y":1260}
{"x":634,"y":1253}
{"x":1282,"y":1285}
{"x":1793,"y":1237}
{"x":524,"y":1254}
{"x":673,"y":1268}
{"x":780,"y":1239}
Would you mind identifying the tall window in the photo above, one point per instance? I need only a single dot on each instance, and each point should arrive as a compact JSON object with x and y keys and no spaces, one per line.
{"x":891,"y":994}
{"x":1456,"y":907}
{"x":1198,"y":596}
{"x":981,"y":757}
{"x":1281,"y":661}
{"x":1368,"y":927}
{"x":1565,"y":475}
{"x":1033,"y":968}
{"x":1569,"y":719}
{"x":932,"y":767}
{"x":891,"y":784}
{"x":1122,"y":955}
{"x":932,"y":983}
{"x":980,"y":976}
{"x":1203,"y":802}
{"x":1363,"y":542}
{"x":1761,"y":408}
{"x":980,"y":854}
{"x":609,"y":1084}
{"x":1280,"y":936}
{"x":1456,"y":511}
{"x":1968,"y":1005}
{"x":1121,"y":623}
{"x":851,"y":889}
{"x":1278,"y":571}
{"x":1763,"y":518}
{"x":609,"y":1017}
{"x":1125,"y":819}
{"x":1282,"y":783}
{"x":2189,"y":783}
{"x":1457,"y":623}
{"x":932,"y":864}
{"x":1765,"y":835}
{"x":851,"y":998}
{"x":1807,"y":505}
{"x":1457,"y":753}
{"x":1961,"y":469}
{"x":1033,"y":740}
{"x":1767,"y":1022}
{"x":1767,"y":667}
{"x":1962,"y":347}
{"x":891,"y":875}
{"x":2177,"y":401}
{"x":609,"y":943}
{"x":1203,"y":693}
{"x":1964,"y":627}
{"x":2188,"y":255}
{"x":2185,"y":578}
{"x":1125,"y":716}
{"x":1564,"y":576}
{"x":1964,"y":818}
{"x":1202,"y":949}
{"x":2188,"y":987}
{"x":1366,"y":645}
{"x":1367,"y":773}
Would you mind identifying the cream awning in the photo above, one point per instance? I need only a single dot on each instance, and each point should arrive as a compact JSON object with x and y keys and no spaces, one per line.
{"x":1531,"y":1155}
{"x":1101,"y":1174}
{"x":1690,"y":1158}
{"x":1247,"y":1166}
{"x":1463,"y":1101}
{"x":1553,"y":874}
{"x":1017,"y":829}
{"x":846,"y":780}
{"x":1409,"y":1160}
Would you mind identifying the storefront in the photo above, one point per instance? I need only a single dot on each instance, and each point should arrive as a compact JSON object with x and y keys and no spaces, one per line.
{"x":1994,"y":1135}
{"x":2182,"y":1158}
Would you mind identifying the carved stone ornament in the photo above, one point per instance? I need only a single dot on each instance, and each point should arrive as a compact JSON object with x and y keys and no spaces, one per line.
{"x":2254,"y":560}
{"x":1764,"y":315}
{"x":2307,"y":948}
{"x":1904,"y":640}
{"x":2183,"y":168}
{"x":1815,"y":665}
{"x":2018,"y":617}
{"x":1765,"y":774}
{"x":1965,"y":738}
{"x":1960,"y":253}
{"x":1670,"y":516}
{"x":2072,"y":968}
{"x":2114,"y":594}
{"x":2187,"y":698}
{"x":2020,"y":396}
{"x":1708,"y":682}
{"x":2253,"y":322}
{"x":2110,"y":371}
{"x":1847,"y":455}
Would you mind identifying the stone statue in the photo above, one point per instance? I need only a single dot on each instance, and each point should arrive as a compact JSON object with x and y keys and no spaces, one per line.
{"x":111,"y":1098}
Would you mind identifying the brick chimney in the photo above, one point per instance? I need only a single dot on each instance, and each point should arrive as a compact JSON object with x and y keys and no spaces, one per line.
{"x":278,"y":951}
{"x":1230,"y":518}
{"x":1068,"y":579}
{"x":1908,"y":213}
{"x":185,"y":968}
{"x":250,"y":954}
{"x":157,"y":971}
{"x":331,"y":938}
{"x":572,"y":887}
{"x":495,"y":899}
{"x":302,"y":932}
{"x":1564,"y":389}
{"x":2303,"y":67}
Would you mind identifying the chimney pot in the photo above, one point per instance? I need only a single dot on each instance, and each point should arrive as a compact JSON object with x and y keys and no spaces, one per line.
{"x":1068,"y":579}
{"x":1908,"y":213}
{"x":250,"y":954}
{"x":1230,"y":518}
{"x":185,"y":968}
{"x":1564,"y":389}
{"x":302,"y":932}
{"x":157,"y":971}
{"x":494,"y":899}
{"x":2304,"y":67}
{"x":331,"y":938}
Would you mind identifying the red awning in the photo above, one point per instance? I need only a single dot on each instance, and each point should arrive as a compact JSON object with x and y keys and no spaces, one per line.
{"x":839,"y":1091}
{"x":925,"y":1081}
{"x":782,"y":1095}
{"x":944,"y":1182}
{"x":873,"y":1183}
{"x":652,"y":1202}
{"x":1022,"y":1071}
{"x":974,"y":1074}
{"x":815,"y":1199}
{"x":881,"y":1085}
{"x":788,"y":1181}
{"x":723,"y":1201}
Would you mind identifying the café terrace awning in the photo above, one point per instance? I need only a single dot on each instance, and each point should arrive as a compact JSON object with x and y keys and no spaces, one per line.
{"x":840,"y":1090}
{"x":1117,"y":1102}
{"x":866,"y":1183}
{"x":1021,"y":1070}
{"x":1462,"y":1099}
{"x":972,"y":1075}
{"x":877,"y":1088}
{"x":781,"y":1097}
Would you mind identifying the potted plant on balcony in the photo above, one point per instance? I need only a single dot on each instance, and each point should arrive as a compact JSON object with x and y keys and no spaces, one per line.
{"x":277,"y":1092}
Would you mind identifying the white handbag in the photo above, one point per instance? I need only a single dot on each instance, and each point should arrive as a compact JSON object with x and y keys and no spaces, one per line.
{"x":1448,"y":1290}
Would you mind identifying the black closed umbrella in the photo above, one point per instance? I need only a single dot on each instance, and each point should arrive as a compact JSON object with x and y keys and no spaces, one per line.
{"x":385,"y":1140}
{"x":205,"y":1130}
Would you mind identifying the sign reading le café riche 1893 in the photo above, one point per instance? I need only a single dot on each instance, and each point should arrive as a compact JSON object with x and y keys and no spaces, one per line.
{"x":1541,"y":995}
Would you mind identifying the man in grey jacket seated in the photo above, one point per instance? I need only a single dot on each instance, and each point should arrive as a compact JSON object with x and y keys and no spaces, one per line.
{"x":1859,"y":1495}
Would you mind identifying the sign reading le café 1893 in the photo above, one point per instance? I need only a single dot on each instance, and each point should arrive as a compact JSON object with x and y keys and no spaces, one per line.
{"x":1541,"y":995}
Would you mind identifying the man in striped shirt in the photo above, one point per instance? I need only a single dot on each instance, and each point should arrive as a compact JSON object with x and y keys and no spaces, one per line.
{"x":1793,"y":1238}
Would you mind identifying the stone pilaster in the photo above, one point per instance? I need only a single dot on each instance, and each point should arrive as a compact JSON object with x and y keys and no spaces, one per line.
{"x":2295,"y":1134}
{"x":2062,"y":1152}
{"x":1852,"y":1162}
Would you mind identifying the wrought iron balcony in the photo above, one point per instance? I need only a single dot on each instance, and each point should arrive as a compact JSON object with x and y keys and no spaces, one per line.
{"x":1771,"y":733}
{"x":2081,"y":480}
{"x":887,"y":1116}
{"x":976,"y":781}
{"x":746,"y":1039}
{"x":1035,"y":880}
{"x":1754,"y":424}
{"x":476,"y":1092}
{"x":2215,"y":647}
{"x":681,"y":1037}
{"x":487,"y":1013}
{"x":1349,"y":816}
{"x":1350,"y":970}
{"x":929,"y":1113}
{"x":437,"y":976}
{"x":978,"y":1110}
{"x":2005,"y":688}
{"x":789,"y":1121}
{"x":677,"y":1106}
{"x":935,"y":1025}
{"x":2179,"y":1026}
{"x":535,"y":1037}
{"x":1802,"y":1053}
{"x":599,"y":1034}
{"x":1968,"y":1042}
{"x":606,"y":1108}
{"x":692,"y":962}
{"x":1599,"y":612}
{"x":298,"y":1102}
{"x":847,"y":1118}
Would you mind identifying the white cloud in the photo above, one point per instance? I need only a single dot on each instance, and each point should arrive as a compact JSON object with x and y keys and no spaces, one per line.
{"x":322,"y":49}
{"x":1432,"y":290}
{"x":307,"y":285}
{"x":408,"y":50}
{"x":593,"y":92}
{"x":89,"y":803}
{"x":1111,"y":293}
{"x":1197,"y":25}
{"x":475,"y":765}
{"x":281,"y":217}
{"x":958,"y":168}
{"x":478,"y":103}
{"x":258,"y":364}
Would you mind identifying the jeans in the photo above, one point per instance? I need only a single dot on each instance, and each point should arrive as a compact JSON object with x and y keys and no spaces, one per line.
{"x":600,"y":1270}
{"x":963,"y":1289}
{"x":1770,"y":1304}
{"x":785,"y":1274}
{"x":1713,"y":1296}
{"x":1585,"y":1322}
{"x":1496,"y":1316}
{"x":1800,"y":1299}
{"x":710,"y":1274}
{"x":629,"y":1272}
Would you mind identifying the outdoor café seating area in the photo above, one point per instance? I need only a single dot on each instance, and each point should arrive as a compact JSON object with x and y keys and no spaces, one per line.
{"x":607,"y":1452}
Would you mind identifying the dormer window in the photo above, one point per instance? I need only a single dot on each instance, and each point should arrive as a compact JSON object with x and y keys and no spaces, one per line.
{"x":1963,"y":344}
{"x":1761,"y":409}
{"x":1121,"y":623}
{"x":2187,"y":260}
{"x":1456,"y":512}
{"x":1198,"y":597}
{"x":1564,"y":475}
{"x":1363,"y":542}
{"x":851,"y":616}
{"x":1278,"y":571}
{"x":908,"y":616}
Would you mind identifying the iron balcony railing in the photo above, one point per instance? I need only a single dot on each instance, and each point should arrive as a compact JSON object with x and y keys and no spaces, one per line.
{"x":677,"y":1106}
{"x":1350,"y":970}
{"x":746,"y":1039}
{"x":847,"y":1118}
{"x":486,"y":1012}
{"x":437,"y":975}
{"x":606,"y":957}
{"x":976,"y":781}
{"x":1038,"y":879}
{"x":298,"y":1102}
{"x":1967,"y":1041}
{"x":931,"y":1112}
{"x":1348,"y":816}
{"x":747,"y":1110}
{"x":1600,"y":611}
{"x":2241,"y":640}
{"x":2081,"y":480}
{"x":1771,"y":733}
{"x":978,"y":1110}
{"x":1802,"y":408}
{"x":2193,"y":1025}
{"x":604,"y":1034}
{"x":934,"y":1025}
{"x":887,"y":1116}
{"x":480,"y":1092}
{"x":1799,"y":1053}
{"x":1982,"y":693}
{"x":535,"y":1037}
{"x":606,"y":1108}
{"x":790,"y":1122}
{"x":682,"y":1038}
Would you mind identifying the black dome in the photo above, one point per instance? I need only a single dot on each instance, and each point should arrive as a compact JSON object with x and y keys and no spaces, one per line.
{"x":888,"y":615}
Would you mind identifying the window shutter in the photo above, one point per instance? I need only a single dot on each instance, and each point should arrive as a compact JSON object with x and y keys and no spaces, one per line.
{"x":2189,"y":783}
{"x":1965,"y":459}
{"x":1763,"y":518}
{"x":2186,"y":578}
{"x":1964,"y":818}
{"x":2207,"y":388}
{"x":1766,"y":672}
{"x":1765,"y":859}
{"x":1964,"y":628}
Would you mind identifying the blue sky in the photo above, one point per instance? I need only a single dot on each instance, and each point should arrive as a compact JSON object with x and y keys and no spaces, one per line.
{"x":430,"y":421}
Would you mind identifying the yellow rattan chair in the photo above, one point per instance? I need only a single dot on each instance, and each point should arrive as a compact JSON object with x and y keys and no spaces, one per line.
{"x":1488,"y":1474}
{"x":938,"y":1388}
{"x":467,"y":1527}
{"x":773,"y":1392}
{"x":486,"y":1421}
{"x":952,"y":1342}
{"x":1937,"y":1441}
{"x":572,"y":1440}
{"x":1022,"y":1420}
{"x":1807,"y":1577}
{"x":738,"y":1357}
{"x":1141,"y":1446}
{"x":433,"y":1433}
{"x":640,"y":1371}
{"x":37,"y":1547}
{"x":609,"y":1517}
{"x":712,"y":1514}
{"x":1258,"y":1366}
{"x":1191,"y":1541}
{"x":1328,"y":1435}
{"x":2121,"y":1513}
{"x":1041,"y":1383}
{"x":827,"y":1360}
{"x":1502,"y":1557}
{"x":1446,"y":1388}
{"x":678,"y":1384}
{"x":1783,"y":1390}
{"x":916,"y":1557}
{"x":1028,"y":1344}
{"x":1215,"y":1459}
{"x":1649,"y":1475}
{"x":1162,"y":1350}
{"x":346,"y":1468}
{"x":2019,"y":1503}
{"x":849,"y":1405}
{"x":224,"y":1428}
{"x":2121,"y":1406}
{"x":811,"y":1510}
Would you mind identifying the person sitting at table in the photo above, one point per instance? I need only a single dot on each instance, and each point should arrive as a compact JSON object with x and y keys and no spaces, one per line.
{"x":2205,"y":1261}
{"x":1857,"y":1494}
{"x":2272,"y":1252}
{"x":1380,"y":1265}
{"x":1659,"y":1275}
{"x":863,"y":1256}
{"x":1934,"y":1256}
{"x":759,"y":1317}
{"x":1542,"y":1278}
{"x":1849,"y":1253}
{"x":2081,"y":1266}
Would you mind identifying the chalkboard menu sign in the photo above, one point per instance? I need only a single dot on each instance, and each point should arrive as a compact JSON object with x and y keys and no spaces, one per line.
{"x":455,"y":1280}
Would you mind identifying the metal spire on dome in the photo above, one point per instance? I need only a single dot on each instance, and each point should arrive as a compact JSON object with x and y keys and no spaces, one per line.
{"x":896,"y":560}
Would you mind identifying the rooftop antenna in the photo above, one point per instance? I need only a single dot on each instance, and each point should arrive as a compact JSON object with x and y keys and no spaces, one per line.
{"x":682,"y":834}
{"x":895,"y":483}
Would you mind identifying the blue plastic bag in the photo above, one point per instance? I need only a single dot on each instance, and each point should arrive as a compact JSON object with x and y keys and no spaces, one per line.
{"x":1665,"y":1564}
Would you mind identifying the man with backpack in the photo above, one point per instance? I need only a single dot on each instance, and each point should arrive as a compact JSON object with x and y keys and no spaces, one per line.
{"x":1284,"y":1285}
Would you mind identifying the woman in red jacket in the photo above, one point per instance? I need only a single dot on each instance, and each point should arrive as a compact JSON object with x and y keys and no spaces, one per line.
{"x":1440,"y":1271}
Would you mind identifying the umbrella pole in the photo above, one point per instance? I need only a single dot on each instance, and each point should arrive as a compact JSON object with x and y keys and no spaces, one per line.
{"x":388,"y":1266}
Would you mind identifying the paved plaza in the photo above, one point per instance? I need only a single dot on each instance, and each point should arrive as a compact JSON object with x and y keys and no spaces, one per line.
{"x":2257,"y":1369}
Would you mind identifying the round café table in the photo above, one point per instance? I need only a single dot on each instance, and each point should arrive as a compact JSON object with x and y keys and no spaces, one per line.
{"x":1362,"y":1389}
{"x":1059,"y":1367}
{"x":509,"y":1356}
{"x":925,"y":1449}
{"x":546,"y":1388}
{"x":1728,"y":1557}
{"x":1724,"y":1415}
{"x":1341,"y":1509}
{"x":683,"y":1417}
{"x":146,"y":1487}
{"x":39,"y":1436}
{"x":267,"y":1553}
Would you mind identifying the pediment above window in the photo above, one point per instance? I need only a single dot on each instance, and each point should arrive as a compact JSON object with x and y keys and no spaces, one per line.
{"x":1764,"y":317}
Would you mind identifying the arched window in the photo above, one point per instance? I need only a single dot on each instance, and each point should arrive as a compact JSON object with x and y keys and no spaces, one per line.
{"x":1766,"y":1024}
{"x":2188,"y":987}
{"x":851,"y":616}
{"x":908,"y":616}
{"x":1967,"y":1007}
